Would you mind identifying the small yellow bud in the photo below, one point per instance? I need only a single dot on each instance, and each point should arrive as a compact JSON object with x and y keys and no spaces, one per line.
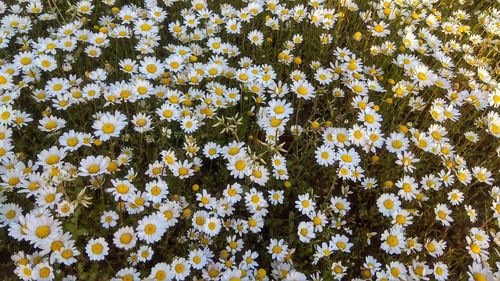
{"x":187,"y":213}
{"x":287,"y":184}
{"x":195,"y":187}
{"x":165,"y":81}
{"x":357,"y":36}
{"x":388,"y":184}
{"x":224,"y":254}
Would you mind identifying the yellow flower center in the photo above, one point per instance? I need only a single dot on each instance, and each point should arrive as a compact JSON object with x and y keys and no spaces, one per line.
{"x":346,"y":158}
{"x":422,"y":76}
{"x":93,"y":168}
{"x":279,"y":109}
{"x":25,"y":61}
{"x":150,"y":229}
{"x":42,"y":231}
{"x":151,"y":68}
{"x":97,"y":249}
{"x":126,"y":238}
{"x":397,"y":144}
{"x":122,"y":188}
{"x":10,"y":214}
{"x":240,"y":165}
{"x":183,"y":171}
{"x":155,"y":190}
{"x":52,"y":159}
{"x":388,"y":204}
{"x":302,"y":91}
{"x":108,"y":128}
{"x":378,"y":28}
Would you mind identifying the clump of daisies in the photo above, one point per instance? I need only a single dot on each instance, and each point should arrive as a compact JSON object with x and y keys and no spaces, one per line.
{"x":249,"y":140}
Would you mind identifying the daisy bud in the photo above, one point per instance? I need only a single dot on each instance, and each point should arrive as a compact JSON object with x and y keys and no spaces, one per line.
{"x":388,"y":184}
{"x":357,"y":36}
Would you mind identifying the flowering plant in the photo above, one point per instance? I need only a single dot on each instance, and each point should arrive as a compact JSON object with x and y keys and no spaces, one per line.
{"x":249,"y":140}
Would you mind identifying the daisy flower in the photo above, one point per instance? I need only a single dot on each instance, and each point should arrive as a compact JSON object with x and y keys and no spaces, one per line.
{"x":40,"y":230}
{"x":109,"y":218}
{"x":157,"y":190}
{"x":109,"y":125}
{"x":325,"y":155}
{"x":97,"y":249}
{"x":181,"y":268}
{"x":305,"y":204}
{"x":125,"y":238}
{"x":303,"y":89}
{"x":388,"y":203}
{"x":348,"y":157}
{"x":380,"y":29}
{"x":443,"y":214}
{"x":93,"y":165}
{"x":256,"y":37}
{"x":305,"y":231}
{"x":239,"y":166}
{"x":393,"y":240}
{"x":150,"y":229}
{"x":277,"y":249}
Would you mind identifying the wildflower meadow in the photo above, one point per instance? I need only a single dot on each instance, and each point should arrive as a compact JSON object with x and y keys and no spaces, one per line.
{"x":250,"y":140}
